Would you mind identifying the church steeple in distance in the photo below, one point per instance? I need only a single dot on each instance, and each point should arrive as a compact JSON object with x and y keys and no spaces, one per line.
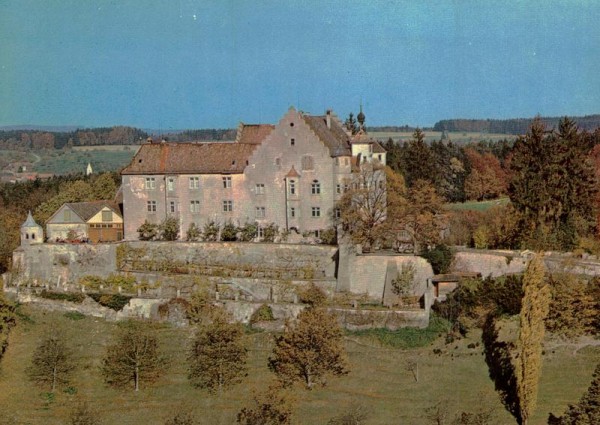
{"x":361,"y":118}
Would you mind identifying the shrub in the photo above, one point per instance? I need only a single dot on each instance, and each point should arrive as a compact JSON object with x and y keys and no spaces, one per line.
{"x":263,"y":314}
{"x":148,"y":231}
{"x":169,"y":229}
{"x":248,"y":232}
{"x":74,"y":315}
{"x":115,"y":302}
{"x":329,"y":236}
{"x":193,"y":233}
{"x":270,"y":232}
{"x":63,"y":296}
{"x":91,"y":282}
{"x":210,"y":233}
{"x":313,"y":295}
{"x":439,"y":257}
{"x":229,"y":232}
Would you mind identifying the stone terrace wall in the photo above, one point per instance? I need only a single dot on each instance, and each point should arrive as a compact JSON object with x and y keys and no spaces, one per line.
{"x":58,"y":264}
{"x":503,"y":262}
{"x":371,"y":273}
{"x":230,"y":259}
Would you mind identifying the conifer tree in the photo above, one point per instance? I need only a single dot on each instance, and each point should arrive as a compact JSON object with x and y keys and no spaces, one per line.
{"x":587,"y":411}
{"x":534,"y":309}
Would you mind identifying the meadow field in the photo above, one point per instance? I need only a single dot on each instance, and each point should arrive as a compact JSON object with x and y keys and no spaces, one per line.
{"x":378,"y":380}
{"x":102,"y":158}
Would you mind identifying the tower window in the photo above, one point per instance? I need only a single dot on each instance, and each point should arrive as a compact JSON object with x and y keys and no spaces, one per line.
{"x":292,"y":187}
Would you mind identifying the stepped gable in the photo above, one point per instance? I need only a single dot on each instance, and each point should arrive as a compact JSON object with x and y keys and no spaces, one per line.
{"x":86,"y":210}
{"x":253,"y":134}
{"x":190,"y":158}
{"x":334,"y":137}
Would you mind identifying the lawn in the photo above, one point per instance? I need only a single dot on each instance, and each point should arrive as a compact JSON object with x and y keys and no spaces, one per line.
{"x":477,"y":205}
{"x":378,"y":380}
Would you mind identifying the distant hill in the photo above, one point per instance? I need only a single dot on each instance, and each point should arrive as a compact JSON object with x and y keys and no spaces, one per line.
{"x":511,"y":126}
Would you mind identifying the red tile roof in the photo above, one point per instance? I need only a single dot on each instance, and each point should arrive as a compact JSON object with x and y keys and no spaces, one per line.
{"x":253,"y":134}
{"x":335,"y":138}
{"x":190,"y":158}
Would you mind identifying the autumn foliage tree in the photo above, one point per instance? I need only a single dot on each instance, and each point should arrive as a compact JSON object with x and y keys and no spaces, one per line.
{"x":271,"y":407}
{"x":534,"y":310}
{"x":53,"y":362}
{"x":487,"y":179}
{"x":218,"y":355}
{"x":370,"y":207}
{"x":309,"y":350}
{"x":134,"y":356}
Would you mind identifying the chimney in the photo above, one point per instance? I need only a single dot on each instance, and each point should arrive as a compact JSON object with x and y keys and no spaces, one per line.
{"x":328,"y":118}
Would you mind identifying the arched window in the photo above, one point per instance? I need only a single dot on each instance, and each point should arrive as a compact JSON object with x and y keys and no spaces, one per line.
{"x":315,"y":187}
{"x":26,"y":235}
{"x":33,"y":236}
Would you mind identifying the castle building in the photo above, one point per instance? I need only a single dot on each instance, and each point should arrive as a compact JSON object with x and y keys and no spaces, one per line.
{"x":290,"y":174}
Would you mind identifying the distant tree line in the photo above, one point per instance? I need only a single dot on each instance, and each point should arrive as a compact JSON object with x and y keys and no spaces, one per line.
{"x":119,"y":135}
{"x":510,"y":126}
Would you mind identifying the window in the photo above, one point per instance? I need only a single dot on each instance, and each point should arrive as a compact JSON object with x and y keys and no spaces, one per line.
{"x":370,"y":148}
{"x":67,"y":215}
{"x":337,"y":161}
{"x":380,"y":184}
{"x":316,"y":211}
{"x":346,"y":187}
{"x":379,"y":157}
{"x":337,"y":213}
{"x":278,"y":162}
{"x":260,"y":188}
{"x":261,"y":232}
{"x":150,"y":183}
{"x":338,"y":188}
{"x":151,"y":205}
{"x":172,"y":207}
{"x":227,"y":206}
{"x":292,"y":142}
{"x":317,"y":233}
{"x":315,"y":187}
{"x":107,"y":216}
{"x":307,"y":162}
{"x":292,"y":187}
{"x":171,"y":184}
{"x":194,"y":182}
{"x":293,"y":212}
{"x":195,"y":206}
{"x":33,"y":236}
{"x":227,"y":182}
{"x":260,"y":212}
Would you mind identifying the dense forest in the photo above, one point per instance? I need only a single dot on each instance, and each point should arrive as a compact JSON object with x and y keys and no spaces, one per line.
{"x":511,"y":126}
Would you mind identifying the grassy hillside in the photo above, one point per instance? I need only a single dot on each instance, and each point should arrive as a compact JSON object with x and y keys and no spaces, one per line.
{"x":431,"y":136}
{"x":378,"y":380}
{"x":102,"y":158}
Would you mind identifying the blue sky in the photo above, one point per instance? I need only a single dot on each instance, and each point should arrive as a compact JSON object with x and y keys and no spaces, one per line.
{"x":176,"y":64}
